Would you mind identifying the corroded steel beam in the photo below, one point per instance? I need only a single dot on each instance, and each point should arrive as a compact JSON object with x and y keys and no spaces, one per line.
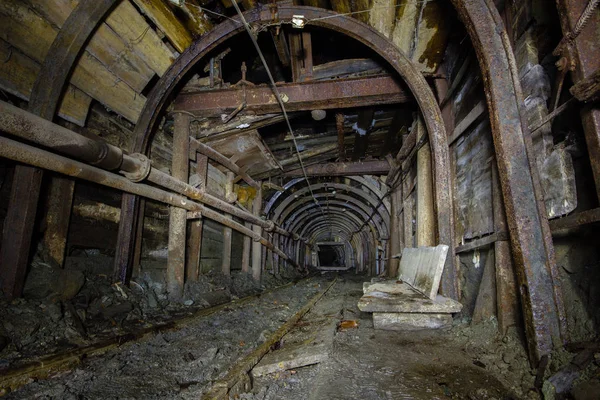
{"x":298,"y":96}
{"x":532,"y":247}
{"x":343,"y":168}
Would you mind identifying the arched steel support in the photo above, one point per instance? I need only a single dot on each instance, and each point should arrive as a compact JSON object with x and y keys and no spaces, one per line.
{"x":283,"y":14}
{"x":531,"y":242}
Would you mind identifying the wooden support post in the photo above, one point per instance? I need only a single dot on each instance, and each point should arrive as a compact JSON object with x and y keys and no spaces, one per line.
{"x":425,"y":214}
{"x":276,"y":256}
{"x":192,"y":265}
{"x":60,"y":200}
{"x":246,"y":244}
{"x":178,"y":216}
{"x":296,"y":55}
{"x":339,"y":123}
{"x":18,"y":228}
{"x":396,"y":227}
{"x":256,"y":246}
{"x":126,"y":237}
{"x":506,"y":282}
{"x":361,"y":138}
{"x":139,"y":233}
{"x":407,"y":210}
{"x":226,"y":259}
{"x":307,"y":72}
{"x":227,"y":231}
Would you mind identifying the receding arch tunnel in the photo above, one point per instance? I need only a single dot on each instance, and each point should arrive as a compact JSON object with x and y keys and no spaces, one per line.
{"x":252,"y":199}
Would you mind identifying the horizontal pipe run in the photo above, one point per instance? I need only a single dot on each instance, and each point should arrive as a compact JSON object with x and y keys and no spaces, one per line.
{"x":26,"y":154}
{"x":30,"y":127}
{"x":197,"y":146}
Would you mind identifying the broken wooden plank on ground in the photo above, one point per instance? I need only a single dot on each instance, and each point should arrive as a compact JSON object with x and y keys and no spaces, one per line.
{"x":290,"y":358}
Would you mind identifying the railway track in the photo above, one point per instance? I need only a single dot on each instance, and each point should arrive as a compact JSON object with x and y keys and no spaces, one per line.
{"x":60,"y":364}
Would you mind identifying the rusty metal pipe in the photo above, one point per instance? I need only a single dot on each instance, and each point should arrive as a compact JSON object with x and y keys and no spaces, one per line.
{"x":214,"y":155}
{"x":26,"y":154}
{"x":30,"y":127}
{"x":33,"y":128}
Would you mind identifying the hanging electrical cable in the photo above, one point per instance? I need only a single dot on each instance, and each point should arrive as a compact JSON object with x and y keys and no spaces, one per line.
{"x":281,"y":105}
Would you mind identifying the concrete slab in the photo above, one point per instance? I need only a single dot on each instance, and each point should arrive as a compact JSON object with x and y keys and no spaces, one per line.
{"x":404,"y":299}
{"x":422,"y":268}
{"x":410,"y":322}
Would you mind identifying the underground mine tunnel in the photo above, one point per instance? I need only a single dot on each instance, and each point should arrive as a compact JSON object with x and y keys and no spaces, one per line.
{"x":307,"y":199}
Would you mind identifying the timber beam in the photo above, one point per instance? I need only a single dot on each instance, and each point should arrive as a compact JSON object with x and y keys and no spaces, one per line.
{"x":299,"y":96}
{"x":376,"y":167}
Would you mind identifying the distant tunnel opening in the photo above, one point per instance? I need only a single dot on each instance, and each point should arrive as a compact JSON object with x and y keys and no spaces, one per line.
{"x":331,"y":256}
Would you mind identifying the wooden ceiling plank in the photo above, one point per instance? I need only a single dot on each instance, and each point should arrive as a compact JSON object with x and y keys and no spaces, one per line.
{"x":160,"y":13}
{"x":33,"y":35}
{"x":18,"y":74}
{"x":108,"y":47}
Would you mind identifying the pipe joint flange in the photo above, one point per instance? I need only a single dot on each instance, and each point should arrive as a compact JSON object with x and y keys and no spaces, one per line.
{"x":295,"y":236}
{"x":143,"y":171}
{"x":256,"y":238}
{"x":271,"y":226}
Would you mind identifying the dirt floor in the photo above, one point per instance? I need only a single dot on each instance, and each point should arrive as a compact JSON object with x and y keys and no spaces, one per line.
{"x":364,"y":363}
{"x":79,"y":305}
{"x":354,"y":360}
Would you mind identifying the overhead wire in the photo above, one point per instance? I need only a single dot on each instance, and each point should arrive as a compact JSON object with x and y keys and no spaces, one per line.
{"x":281,"y":105}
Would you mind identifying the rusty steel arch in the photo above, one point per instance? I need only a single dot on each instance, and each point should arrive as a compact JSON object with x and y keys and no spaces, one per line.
{"x":531,"y":245}
{"x":283,"y":14}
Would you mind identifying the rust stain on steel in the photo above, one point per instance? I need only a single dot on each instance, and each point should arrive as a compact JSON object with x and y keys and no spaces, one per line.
{"x":530,"y":248}
{"x":300,"y":96}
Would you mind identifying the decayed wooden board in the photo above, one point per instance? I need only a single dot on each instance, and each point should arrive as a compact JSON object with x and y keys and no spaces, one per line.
{"x":290,"y":358}
{"x":17,"y":76}
{"x":163,"y":17}
{"x":138,"y":35}
{"x":382,"y":16}
{"x":407,"y":14}
{"x":248,"y":148}
{"x":421,"y":32}
{"x":473,"y":153}
{"x":105,"y":44}
{"x":33,"y":35}
{"x":196,"y":20}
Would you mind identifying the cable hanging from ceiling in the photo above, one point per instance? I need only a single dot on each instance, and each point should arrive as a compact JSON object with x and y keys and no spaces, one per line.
{"x":281,"y":105}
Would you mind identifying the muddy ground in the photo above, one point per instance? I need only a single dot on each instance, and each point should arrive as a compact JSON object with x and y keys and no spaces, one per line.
{"x":80,"y":304}
{"x":462,"y":362}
